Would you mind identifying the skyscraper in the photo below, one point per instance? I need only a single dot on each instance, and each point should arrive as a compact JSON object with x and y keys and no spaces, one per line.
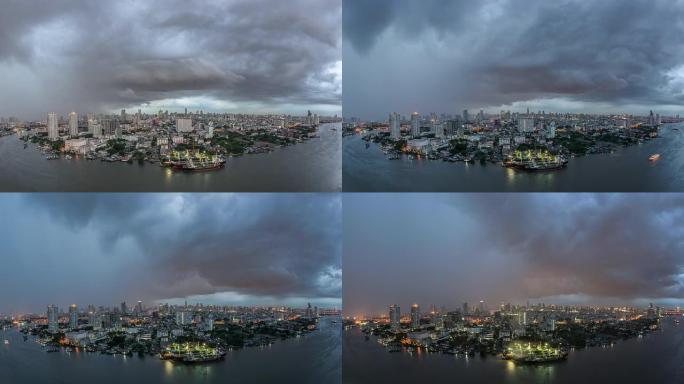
{"x":395,"y":126}
{"x":110,"y":127}
{"x":73,"y":316}
{"x":415,"y":124}
{"x":73,"y":124}
{"x":466,"y":118}
{"x":124,"y":309}
{"x":53,"y":318}
{"x":415,"y":316}
{"x":525,"y":124}
{"x":395,"y":316}
{"x":465,"y":308}
{"x":183,"y":125}
{"x":52,"y":126}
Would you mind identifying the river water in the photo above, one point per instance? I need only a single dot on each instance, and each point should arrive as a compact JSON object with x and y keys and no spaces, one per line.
{"x":312,"y":166}
{"x":655,"y":358}
{"x":314,"y":358}
{"x":626,"y":170}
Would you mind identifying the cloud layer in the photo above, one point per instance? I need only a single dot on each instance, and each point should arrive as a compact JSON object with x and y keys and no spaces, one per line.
{"x":102,"y":248}
{"x":446,"y":249}
{"x":562,"y":55}
{"x":236,"y":54}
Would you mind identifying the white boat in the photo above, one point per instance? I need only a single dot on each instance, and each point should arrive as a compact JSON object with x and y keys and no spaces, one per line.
{"x":6,"y":342}
{"x":654,"y":157}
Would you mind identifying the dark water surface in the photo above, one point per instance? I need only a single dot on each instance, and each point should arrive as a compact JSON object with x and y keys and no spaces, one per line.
{"x":312,"y":166}
{"x":655,"y":358}
{"x":627,"y":170}
{"x":314,"y":358}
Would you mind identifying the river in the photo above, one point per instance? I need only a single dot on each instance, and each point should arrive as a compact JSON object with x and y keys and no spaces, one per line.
{"x":312,"y":166}
{"x":626,"y":170}
{"x":314,"y":358}
{"x":656,"y":358}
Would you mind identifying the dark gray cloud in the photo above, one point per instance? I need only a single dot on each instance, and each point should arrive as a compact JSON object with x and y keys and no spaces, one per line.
{"x":222,"y":55}
{"x":446,"y":249}
{"x":168,"y":246}
{"x":560,"y":55}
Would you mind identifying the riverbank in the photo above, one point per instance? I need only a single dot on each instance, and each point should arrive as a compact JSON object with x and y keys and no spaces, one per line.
{"x":310,"y":166}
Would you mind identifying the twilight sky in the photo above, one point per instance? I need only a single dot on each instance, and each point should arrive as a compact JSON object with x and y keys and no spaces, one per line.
{"x":231,"y":249}
{"x":561,"y":55}
{"x":216,"y":55}
{"x":445,"y":249}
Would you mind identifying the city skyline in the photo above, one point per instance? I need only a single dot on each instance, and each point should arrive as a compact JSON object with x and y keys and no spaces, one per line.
{"x":74,"y":55}
{"x":564,"y":248}
{"x":232,"y":249}
{"x":573,"y":56}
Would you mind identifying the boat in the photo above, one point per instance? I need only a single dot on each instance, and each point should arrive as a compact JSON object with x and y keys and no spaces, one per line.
{"x":189,"y":353}
{"x":654,"y":157}
{"x":535,"y":161}
{"x":534,"y":354}
{"x":6,"y":342}
{"x":191,"y":165}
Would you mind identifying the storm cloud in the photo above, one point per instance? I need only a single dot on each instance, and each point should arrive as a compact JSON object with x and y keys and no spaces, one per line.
{"x":230,"y":55}
{"x":103,"y":248}
{"x":560,"y":248}
{"x":563,"y":56}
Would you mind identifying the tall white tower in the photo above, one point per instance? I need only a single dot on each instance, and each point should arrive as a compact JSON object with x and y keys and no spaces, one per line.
{"x":415,"y":124}
{"x":52,"y":127}
{"x":73,"y":124}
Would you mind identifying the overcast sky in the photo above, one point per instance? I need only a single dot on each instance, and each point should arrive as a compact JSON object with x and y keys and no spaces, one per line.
{"x":102,"y":249}
{"x":446,"y":249}
{"x":561,"y":55}
{"x":215,"y":55}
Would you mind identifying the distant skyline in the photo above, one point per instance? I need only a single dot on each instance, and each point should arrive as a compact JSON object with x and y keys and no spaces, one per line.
{"x":223,"y":249}
{"x":233,"y":55}
{"x":562,"y":56}
{"x":446,"y":249}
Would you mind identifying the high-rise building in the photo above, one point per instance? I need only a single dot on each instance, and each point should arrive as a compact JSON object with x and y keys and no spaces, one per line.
{"x":394,"y":126}
{"x":73,"y":124}
{"x":210,"y":130}
{"x":466,"y":310}
{"x":110,"y":127}
{"x":139,"y":308}
{"x":53,"y":318}
{"x":466,"y":118}
{"x":183,"y":318}
{"x":395,"y":316}
{"x":525,"y":124}
{"x":415,"y":316}
{"x":439,"y":129}
{"x":415,"y":124}
{"x":482,"y":307}
{"x":123,"y":116}
{"x":551,"y":134}
{"x":183,"y":125}
{"x":123,"y":308}
{"x":73,"y":316}
{"x":52,"y":126}
{"x":209,"y":323}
